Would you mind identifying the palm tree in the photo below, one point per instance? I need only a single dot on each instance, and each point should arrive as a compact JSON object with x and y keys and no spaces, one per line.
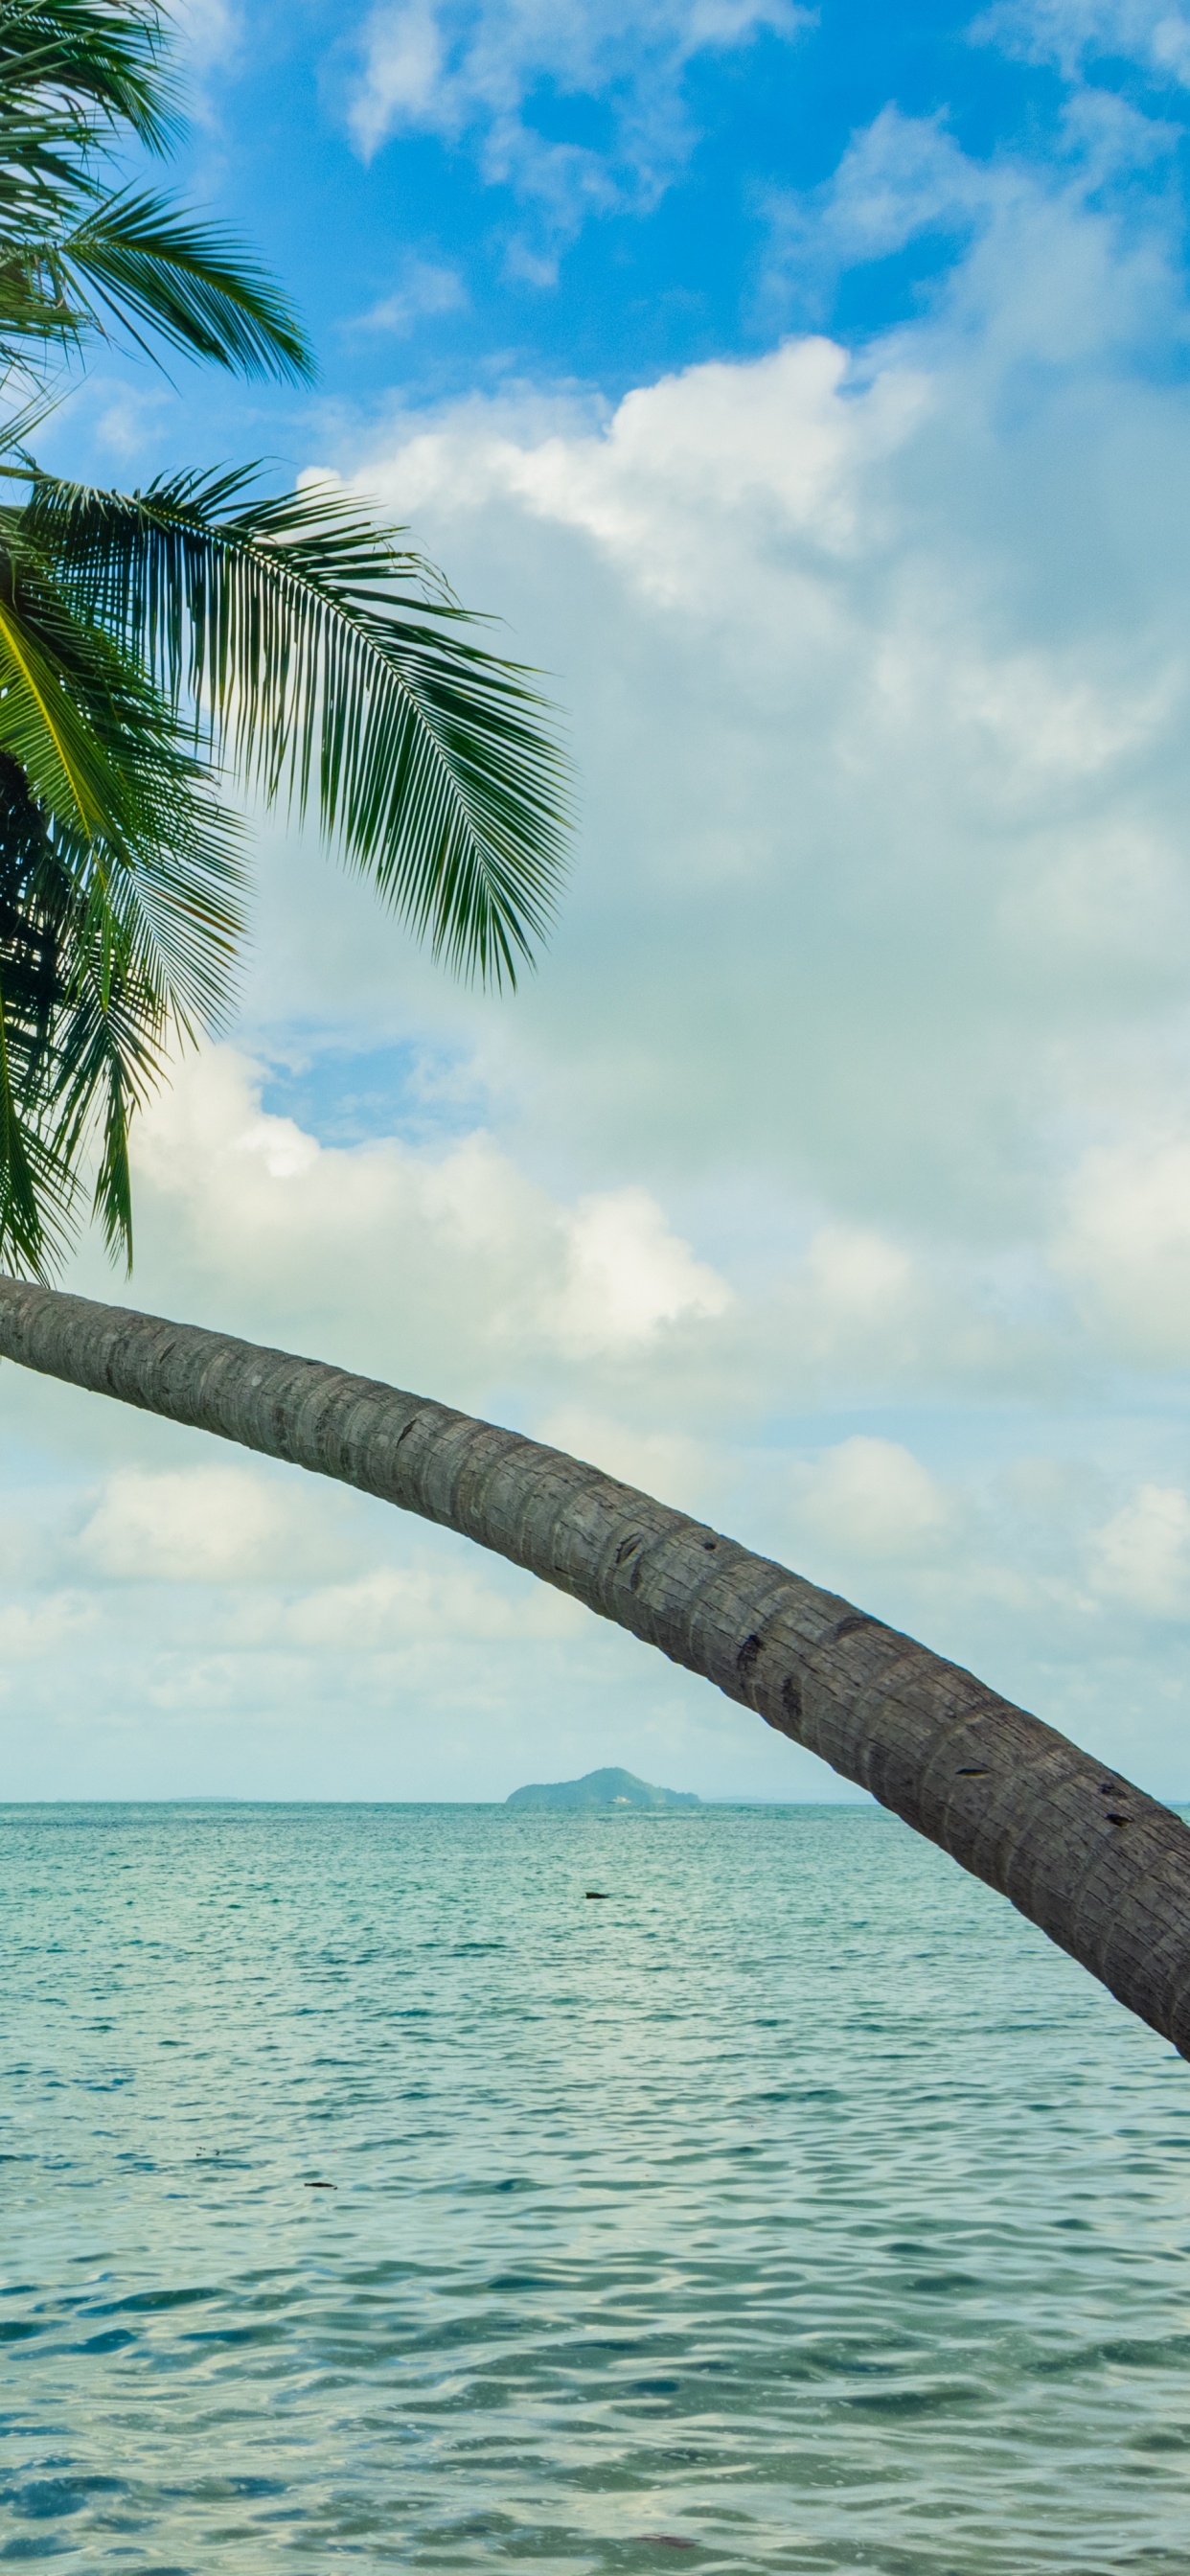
{"x":139,"y":633}
{"x":1102,"y":1868}
{"x":146,"y":638}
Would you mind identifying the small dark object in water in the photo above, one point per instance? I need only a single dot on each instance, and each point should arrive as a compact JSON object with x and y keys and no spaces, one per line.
{"x":320,"y":2186}
{"x":600,"y":1892}
{"x":667,"y":2539}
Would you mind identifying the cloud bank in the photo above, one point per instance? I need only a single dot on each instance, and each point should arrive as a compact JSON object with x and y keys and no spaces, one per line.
{"x":833,"y":1177}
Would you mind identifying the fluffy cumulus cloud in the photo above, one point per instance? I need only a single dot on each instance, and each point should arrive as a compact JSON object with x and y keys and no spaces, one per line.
{"x":186,"y":1627}
{"x":201,"y":1525}
{"x":1141,"y":1556}
{"x":873,"y":1499}
{"x":457,"y":1256}
{"x":181,"y":1621}
{"x":476,"y":71}
{"x":1126,"y":1245}
{"x":1090,"y":227}
{"x":873,"y":974}
{"x":886,"y":766}
{"x":832,"y":1177}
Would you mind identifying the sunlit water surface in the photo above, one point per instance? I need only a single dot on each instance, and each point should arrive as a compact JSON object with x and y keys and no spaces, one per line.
{"x":796,"y":2207}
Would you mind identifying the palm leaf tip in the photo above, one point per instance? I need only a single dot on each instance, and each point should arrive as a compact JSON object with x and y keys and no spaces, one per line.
{"x":137,"y":260}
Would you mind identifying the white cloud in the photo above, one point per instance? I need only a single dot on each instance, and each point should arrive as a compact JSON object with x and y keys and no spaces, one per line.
{"x":469,"y":72}
{"x":426,"y":287}
{"x":681,"y":1471}
{"x":217,"y":1524}
{"x":210,"y":29}
{"x":452,"y":1251}
{"x":900,"y":177}
{"x":1096,"y":257}
{"x":872,"y":1499}
{"x":210,"y":35}
{"x":1077,"y":33}
{"x":882,"y":759}
{"x":1142,"y":1555}
{"x":853,"y":1094}
{"x":31,"y":1632}
{"x":1126,"y":1245}
{"x":395,"y":1608}
{"x":627,"y":1275}
{"x":691,"y":473}
{"x":128,"y":416}
{"x":855,"y":1291}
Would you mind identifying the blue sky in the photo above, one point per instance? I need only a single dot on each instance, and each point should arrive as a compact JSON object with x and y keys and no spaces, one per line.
{"x":600,"y":201}
{"x":590,"y":197}
{"x":806,"y":390}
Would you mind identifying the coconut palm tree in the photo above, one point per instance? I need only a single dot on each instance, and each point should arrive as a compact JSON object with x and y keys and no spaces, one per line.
{"x":1102,"y":1868}
{"x":148,"y":639}
{"x":137,"y":634}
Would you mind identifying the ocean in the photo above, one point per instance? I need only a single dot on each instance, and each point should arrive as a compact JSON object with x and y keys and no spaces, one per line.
{"x":370,"y":2194}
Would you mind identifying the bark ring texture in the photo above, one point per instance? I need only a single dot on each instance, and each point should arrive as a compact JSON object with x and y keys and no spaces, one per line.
{"x":1100,"y":1866}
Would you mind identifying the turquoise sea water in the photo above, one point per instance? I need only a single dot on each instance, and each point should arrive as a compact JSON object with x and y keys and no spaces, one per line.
{"x":797,"y":2207}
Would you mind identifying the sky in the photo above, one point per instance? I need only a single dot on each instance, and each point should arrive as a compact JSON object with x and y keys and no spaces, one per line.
{"x":807,"y":391}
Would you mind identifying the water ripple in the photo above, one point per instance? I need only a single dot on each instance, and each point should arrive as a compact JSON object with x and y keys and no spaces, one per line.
{"x":364,"y":2192}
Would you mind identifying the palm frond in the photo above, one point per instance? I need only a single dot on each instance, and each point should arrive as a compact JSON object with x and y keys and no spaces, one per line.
{"x":144,"y":639}
{"x":92,"y":66}
{"x":35,"y":1182}
{"x":138,"y":875}
{"x":134,"y":262}
{"x":76,"y":259}
{"x":38,"y":1187}
{"x":88,"y":1014}
{"x":110,"y":1058}
{"x":331,"y":661}
{"x":44,"y":728}
{"x":99,"y":743}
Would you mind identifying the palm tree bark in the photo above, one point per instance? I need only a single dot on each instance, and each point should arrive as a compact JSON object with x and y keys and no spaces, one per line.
{"x":1104,"y":1869}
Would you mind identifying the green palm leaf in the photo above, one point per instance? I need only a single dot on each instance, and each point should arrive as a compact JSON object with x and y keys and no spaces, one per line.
{"x":140,"y":867}
{"x":133,"y":261}
{"x":327,"y":657}
{"x":77,"y":258}
{"x":121,"y":788}
{"x":76,"y":71}
{"x":34,"y":1183}
{"x":143,"y":639}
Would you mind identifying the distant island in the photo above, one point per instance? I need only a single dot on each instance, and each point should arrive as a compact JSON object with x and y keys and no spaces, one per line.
{"x":602,"y":1789}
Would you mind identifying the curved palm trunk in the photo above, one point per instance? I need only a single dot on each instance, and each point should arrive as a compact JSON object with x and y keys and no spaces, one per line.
{"x":1102,"y":1868}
